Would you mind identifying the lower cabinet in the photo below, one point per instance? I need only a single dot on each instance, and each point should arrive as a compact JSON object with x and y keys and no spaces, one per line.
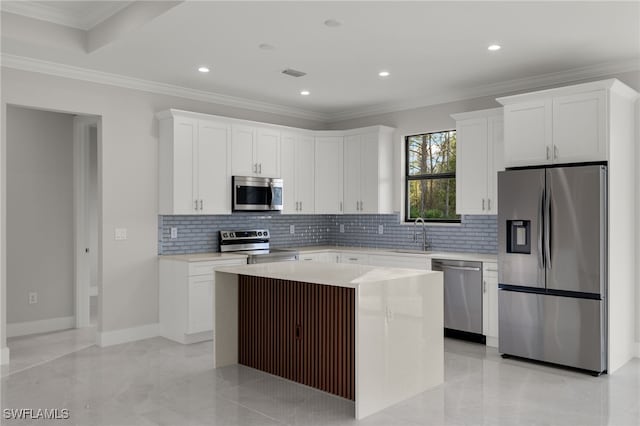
{"x":325,"y":257}
{"x":187,"y":298}
{"x":410,"y":262}
{"x":490,"y":303}
{"x":300,"y":331}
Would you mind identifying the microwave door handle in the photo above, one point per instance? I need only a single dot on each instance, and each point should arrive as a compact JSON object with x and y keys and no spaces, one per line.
{"x":540,"y":225}
{"x":272,"y":195}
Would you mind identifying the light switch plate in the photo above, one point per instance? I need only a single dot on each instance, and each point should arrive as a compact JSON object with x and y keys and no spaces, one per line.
{"x":174,"y":233}
{"x":292,"y":229}
{"x":380,"y":229}
{"x":342,"y":228}
{"x":120,"y":234}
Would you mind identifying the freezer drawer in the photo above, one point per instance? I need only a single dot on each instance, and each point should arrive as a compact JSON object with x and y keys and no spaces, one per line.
{"x":562,"y":330}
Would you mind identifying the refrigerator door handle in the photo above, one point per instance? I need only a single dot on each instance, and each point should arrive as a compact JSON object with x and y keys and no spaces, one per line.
{"x":540,"y":224}
{"x":547,"y":229}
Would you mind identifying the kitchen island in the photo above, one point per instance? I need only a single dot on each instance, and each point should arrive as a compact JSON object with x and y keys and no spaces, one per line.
{"x":369,"y":334}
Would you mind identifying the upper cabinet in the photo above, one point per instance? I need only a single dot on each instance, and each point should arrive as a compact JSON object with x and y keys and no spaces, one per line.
{"x":194,"y":165}
{"x":479,"y":158}
{"x":329,"y":177}
{"x":559,"y":126}
{"x":255,"y":151}
{"x":297,"y":164}
{"x":368,"y":174}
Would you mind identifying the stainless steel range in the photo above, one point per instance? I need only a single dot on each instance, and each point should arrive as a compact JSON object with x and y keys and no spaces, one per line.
{"x":255,"y":244}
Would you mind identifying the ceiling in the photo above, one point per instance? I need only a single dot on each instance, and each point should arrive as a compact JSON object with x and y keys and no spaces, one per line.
{"x":433,"y":50}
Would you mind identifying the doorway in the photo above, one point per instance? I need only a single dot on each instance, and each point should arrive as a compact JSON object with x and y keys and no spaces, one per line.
{"x":52,"y":234}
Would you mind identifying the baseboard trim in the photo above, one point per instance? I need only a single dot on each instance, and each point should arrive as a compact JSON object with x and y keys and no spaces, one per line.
{"x":41,"y":326}
{"x":4,"y":356}
{"x":116,"y":337}
{"x":492,"y":342}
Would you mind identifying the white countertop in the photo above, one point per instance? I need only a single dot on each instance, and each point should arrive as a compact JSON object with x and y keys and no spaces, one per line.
{"x":336,"y":274}
{"x":203,"y":257}
{"x":478,"y":257}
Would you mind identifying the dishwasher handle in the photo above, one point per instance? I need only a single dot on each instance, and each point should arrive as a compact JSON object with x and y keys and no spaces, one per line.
{"x":460,"y":268}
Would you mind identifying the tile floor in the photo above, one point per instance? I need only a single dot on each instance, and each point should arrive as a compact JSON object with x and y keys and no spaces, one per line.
{"x":158,"y":382}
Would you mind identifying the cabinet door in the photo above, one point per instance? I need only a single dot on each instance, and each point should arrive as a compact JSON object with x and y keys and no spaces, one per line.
{"x":185,"y":139}
{"x":288,"y":173}
{"x":305,"y":174}
{"x":214,"y":178}
{"x":200,"y":312}
{"x":495,"y":156}
{"x":527,"y":134}
{"x":369,"y":173}
{"x":471,"y":166}
{"x":491,"y":288}
{"x":329,"y":166}
{"x":579,"y":123}
{"x":267,"y":153}
{"x":242,"y":139}
{"x":352,"y":174}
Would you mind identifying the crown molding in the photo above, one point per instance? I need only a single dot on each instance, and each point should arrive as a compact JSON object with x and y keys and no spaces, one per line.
{"x":82,"y":21}
{"x":494,"y":89}
{"x":84,"y":74}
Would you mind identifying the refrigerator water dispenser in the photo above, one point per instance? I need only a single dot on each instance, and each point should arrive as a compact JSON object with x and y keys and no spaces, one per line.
{"x":519,"y":236}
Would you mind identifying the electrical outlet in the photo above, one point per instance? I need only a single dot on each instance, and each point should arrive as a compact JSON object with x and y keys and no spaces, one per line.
{"x":292,"y":229}
{"x":342,"y":228}
{"x":120,"y":234}
{"x":33,"y":297}
{"x":380,"y":229}
{"x":174,"y":233}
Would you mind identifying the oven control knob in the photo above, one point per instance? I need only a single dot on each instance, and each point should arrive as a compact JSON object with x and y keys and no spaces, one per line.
{"x":266,"y":233}
{"x":232,"y":235}
{"x":259,"y":234}
{"x":224,"y":235}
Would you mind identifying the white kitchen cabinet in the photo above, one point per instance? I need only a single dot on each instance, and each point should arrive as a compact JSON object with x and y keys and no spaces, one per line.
{"x":490,"y":303}
{"x":368,"y":172}
{"x":194,"y":164}
{"x":400,"y":261}
{"x":255,"y":151}
{"x":325,"y":257}
{"x":558,"y":126}
{"x":297,"y":153}
{"x":186,"y":298}
{"x":329,"y":177}
{"x":479,"y":157}
{"x":350,"y":257}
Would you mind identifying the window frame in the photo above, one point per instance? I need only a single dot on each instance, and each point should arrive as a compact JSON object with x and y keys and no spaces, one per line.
{"x":408,"y":178}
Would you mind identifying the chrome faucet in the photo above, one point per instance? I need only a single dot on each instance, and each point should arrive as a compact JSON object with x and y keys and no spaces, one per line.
{"x":425,"y":246}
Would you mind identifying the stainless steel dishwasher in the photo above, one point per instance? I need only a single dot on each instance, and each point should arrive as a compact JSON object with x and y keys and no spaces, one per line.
{"x":462,"y":298}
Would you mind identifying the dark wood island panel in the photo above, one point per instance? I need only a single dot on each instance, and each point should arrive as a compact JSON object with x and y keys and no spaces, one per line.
{"x":300,"y":331}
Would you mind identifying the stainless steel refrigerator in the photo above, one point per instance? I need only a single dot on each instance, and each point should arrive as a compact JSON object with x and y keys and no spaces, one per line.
{"x":552,"y":274}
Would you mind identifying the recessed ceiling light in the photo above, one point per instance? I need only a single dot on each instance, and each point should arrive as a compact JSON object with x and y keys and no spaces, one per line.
{"x":494,"y":47}
{"x":332,"y":23}
{"x":383,"y":73}
{"x":267,"y":46}
{"x":305,"y":92}
{"x":204,"y":69}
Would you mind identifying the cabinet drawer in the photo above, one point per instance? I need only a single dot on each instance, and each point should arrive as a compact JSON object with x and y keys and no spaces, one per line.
{"x":207,"y":268}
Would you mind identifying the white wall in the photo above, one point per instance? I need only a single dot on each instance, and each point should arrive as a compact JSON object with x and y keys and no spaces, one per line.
{"x":127,"y":180}
{"x":39,"y":214}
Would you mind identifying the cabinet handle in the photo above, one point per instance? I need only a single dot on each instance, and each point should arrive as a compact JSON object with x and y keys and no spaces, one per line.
{"x":196,"y":204}
{"x":488,"y":203}
{"x":296,"y":206}
{"x":300,"y":205}
{"x":353,"y":259}
{"x":260,"y":170}
{"x":255,"y":167}
{"x":201,"y":204}
{"x":340,"y":205}
{"x":548,"y":153}
{"x":484,"y":286}
{"x":555,"y":152}
{"x":483,"y":204}
{"x":298,"y":333}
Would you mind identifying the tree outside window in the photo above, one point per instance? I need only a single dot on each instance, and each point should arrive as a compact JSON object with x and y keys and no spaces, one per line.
{"x":431,"y":177}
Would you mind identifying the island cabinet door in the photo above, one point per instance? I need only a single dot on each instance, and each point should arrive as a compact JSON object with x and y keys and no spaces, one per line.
{"x":300,"y":331}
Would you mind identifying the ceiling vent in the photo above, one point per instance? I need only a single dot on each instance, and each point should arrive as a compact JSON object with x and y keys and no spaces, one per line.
{"x":294,"y":73}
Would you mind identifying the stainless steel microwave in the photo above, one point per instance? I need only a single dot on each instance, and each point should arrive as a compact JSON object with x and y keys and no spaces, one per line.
{"x":256,"y":193}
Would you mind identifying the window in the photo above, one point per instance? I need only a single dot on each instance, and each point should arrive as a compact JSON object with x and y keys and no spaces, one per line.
{"x":431,"y":177}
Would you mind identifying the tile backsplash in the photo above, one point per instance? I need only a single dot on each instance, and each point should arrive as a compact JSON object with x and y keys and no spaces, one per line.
{"x":199,"y":234}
